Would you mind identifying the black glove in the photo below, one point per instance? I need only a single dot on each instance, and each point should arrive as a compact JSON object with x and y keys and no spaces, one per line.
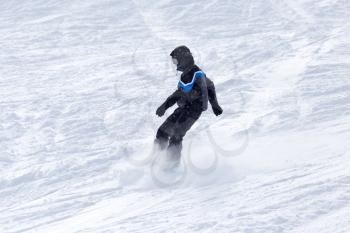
{"x":160,"y":111}
{"x":217,"y":110}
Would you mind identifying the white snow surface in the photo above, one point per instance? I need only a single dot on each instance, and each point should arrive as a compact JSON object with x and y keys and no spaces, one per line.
{"x":79,"y":85}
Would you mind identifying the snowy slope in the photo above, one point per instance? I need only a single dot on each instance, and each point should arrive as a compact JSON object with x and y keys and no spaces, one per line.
{"x":79,"y":85}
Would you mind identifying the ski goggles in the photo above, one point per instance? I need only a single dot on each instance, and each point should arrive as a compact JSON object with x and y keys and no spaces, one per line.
{"x":174,"y":60}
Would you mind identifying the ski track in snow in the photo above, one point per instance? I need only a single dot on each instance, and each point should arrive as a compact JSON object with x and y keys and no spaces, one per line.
{"x":80,"y":82}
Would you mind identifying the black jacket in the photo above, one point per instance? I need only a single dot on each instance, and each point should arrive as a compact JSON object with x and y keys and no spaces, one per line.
{"x":197,"y":99}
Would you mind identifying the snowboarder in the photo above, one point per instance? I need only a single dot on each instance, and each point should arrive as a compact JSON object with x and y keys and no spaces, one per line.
{"x":192,"y":95}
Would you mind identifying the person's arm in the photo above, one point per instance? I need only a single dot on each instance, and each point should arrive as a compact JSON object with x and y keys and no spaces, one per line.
{"x":212,"y":98}
{"x":201,"y":82}
{"x":170,"y":101}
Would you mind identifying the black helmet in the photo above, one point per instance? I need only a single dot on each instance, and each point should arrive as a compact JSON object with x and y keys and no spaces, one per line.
{"x":184,"y":57}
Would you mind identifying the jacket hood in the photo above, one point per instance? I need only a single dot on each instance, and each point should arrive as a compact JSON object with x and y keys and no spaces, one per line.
{"x":184,"y":57}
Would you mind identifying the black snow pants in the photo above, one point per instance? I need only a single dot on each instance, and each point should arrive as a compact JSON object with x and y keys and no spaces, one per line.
{"x":172,"y":131}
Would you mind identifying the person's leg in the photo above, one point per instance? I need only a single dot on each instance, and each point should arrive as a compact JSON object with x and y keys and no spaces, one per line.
{"x":161,"y":140}
{"x":183,"y":124}
{"x":167,"y":129}
{"x":175,"y":147}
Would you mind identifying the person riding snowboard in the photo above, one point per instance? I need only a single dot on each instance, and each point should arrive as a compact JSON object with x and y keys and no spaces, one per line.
{"x":192,"y":95}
